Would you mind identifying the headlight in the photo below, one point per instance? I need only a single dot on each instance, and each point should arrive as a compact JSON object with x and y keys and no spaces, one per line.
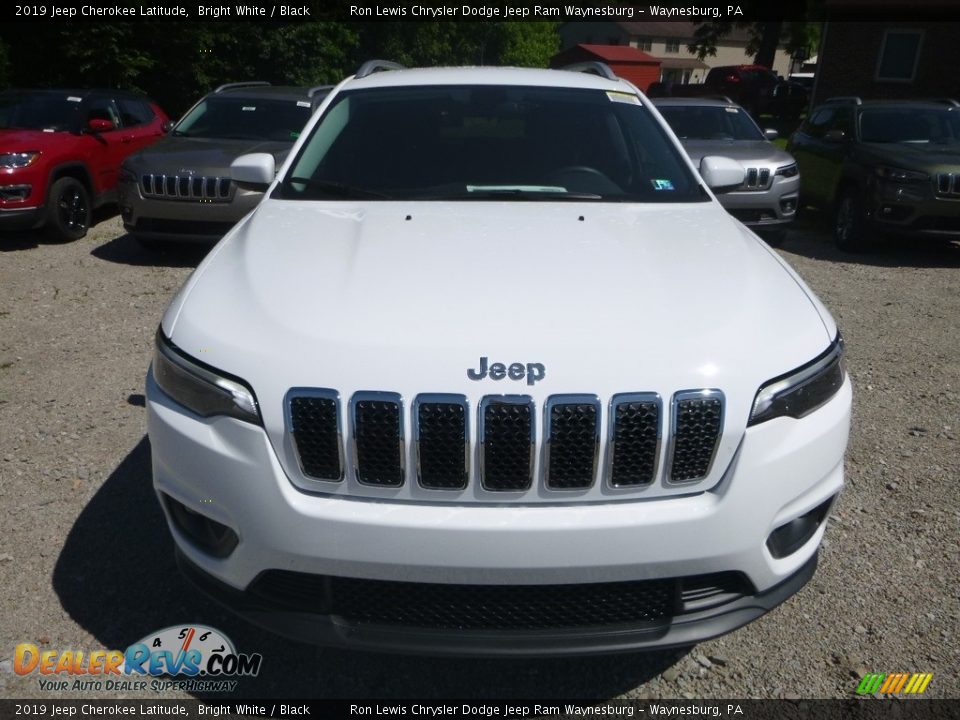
{"x":800,"y":392}
{"x":893,"y":174}
{"x":200,"y":388}
{"x":18,"y":159}
{"x":788,"y":170}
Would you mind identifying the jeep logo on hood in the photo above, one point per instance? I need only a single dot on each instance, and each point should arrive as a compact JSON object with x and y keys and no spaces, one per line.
{"x":515,"y":371}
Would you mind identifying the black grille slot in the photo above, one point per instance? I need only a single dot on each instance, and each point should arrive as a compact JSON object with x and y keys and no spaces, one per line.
{"x":315,"y":424}
{"x":634,"y":439}
{"x":698,"y":420}
{"x":471,"y":607}
{"x":442,"y":441}
{"x":507,"y":435}
{"x":573,"y":430}
{"x":378,"y":438}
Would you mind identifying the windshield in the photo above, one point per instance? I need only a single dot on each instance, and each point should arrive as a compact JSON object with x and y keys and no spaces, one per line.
{"x":42,"y":111}
{"x":236,"y":118}
{"x":489,"y":142}
{"x":910,"y":125}
{"x":710,"y":122}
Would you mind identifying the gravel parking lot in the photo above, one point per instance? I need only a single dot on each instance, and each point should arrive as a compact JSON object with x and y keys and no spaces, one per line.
{"x":87,"y":562}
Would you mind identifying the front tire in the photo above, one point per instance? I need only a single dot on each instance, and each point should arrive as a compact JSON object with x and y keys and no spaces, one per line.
{"x":849,"y":227}
{"x":68,"y":210}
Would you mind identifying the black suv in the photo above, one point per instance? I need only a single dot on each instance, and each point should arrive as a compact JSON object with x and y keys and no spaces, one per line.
{"x":181,"y":189}
{"x":882,"y":167}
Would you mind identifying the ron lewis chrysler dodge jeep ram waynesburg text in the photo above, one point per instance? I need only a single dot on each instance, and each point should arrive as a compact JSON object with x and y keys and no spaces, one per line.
{"x":489,"y":371}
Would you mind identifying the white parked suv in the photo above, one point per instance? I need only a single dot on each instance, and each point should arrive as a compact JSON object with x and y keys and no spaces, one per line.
{"x":490,"y":371}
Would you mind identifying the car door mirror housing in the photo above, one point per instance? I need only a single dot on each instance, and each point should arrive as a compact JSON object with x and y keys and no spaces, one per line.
{"x":771,"y":134}
{"x":99,"y":125}
{"x":721,"y":174}
{"x":254,"y":170}
{"x":835,"y":136}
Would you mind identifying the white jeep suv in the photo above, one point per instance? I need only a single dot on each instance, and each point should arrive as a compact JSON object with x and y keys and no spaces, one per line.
{"x":490,"y":371}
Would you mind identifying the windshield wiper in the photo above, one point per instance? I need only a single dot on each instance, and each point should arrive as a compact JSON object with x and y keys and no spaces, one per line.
{"x":337,"y":188}
{"x":515,"y":194}
{"x":179,"y":133}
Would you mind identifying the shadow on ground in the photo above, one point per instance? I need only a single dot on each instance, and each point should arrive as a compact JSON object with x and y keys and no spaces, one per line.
{"x":127,"y":250}
{"x":116,"y":577}
{"x":811,"y":236}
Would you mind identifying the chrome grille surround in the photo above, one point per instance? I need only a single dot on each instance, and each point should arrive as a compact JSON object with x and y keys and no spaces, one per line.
{"x":323,"y":395}
{"x":756,"y":179}
{"x":553,"y":447}
{"x":613,"y":427}
{"x":196,"y":188}
{"x":420,"y":403}
{"x":948,"y":184}
{"x":495,"y":404}
{"x":372,"y":449}
{"x":692,"y":398}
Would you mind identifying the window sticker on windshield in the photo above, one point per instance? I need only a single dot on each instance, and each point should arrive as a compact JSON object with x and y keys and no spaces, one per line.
{"x":248,"y":108}
{"x":294,"y":135}
{"x":302,"y":103}
{"x":661,"y":184}
{"x":74,"y":98}
{"x":623,"y":97}
{"x":732,"y":110}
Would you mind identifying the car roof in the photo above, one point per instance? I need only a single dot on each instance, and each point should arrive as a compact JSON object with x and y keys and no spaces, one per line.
{"x":276,"y":92}
{"x":693,"y":102}
{"x":881,"y":103}
{"x":77,"y":92}
{"x":488,"y":76}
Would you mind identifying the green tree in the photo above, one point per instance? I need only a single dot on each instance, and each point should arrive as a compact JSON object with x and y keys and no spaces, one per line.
{"x":765,"y":37}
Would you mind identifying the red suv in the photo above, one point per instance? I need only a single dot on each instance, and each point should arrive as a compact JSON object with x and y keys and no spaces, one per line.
{"x":60,"y":154}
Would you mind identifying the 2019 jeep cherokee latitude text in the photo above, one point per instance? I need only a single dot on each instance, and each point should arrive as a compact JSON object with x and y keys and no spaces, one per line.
{"x":490,"y":371}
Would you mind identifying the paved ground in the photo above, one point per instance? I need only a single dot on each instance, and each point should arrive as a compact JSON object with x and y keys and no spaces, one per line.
{"x":87,"y":563}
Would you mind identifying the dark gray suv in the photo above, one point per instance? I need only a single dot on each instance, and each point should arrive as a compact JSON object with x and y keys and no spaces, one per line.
{"x":181,"y":190}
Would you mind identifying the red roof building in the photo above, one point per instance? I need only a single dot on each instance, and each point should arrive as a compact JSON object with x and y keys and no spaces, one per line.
{"x":627,"y":62}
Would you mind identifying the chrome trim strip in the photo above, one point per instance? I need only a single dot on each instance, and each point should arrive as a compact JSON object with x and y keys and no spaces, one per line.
{"x":325,"y":394}
{"x":678,"y":397}
{"x":449,"y":399}
{"x":481,"y":435}
{"x":615,"y":402}
{"x":385,"y":397}
{"x":557,"y":400}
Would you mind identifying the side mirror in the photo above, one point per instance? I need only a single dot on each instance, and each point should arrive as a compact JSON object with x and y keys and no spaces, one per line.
{"x":721,"y":174}
{"x":99,"y":125}
{"x":254,"y":170}
{"x":835,"y":136}
{"x":771,"y":134}
{"x":167,"y":126}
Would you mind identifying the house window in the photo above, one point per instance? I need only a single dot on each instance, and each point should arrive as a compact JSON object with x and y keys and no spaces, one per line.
{"x":899,"y":55}
{"x":672,"y":46}
{"x":645,"y":44}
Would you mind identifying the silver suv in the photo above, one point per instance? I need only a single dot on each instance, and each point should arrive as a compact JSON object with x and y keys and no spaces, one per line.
{"x":181,"y":190}
{"x":766,"y":202}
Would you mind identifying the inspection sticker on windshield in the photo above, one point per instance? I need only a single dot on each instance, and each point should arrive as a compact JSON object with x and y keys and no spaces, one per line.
{"x":249,"y":108}
{"x":302,"y":103}
{"x":732,"y":110}
{"x":73,"y":98}
{"x":661,"y":184}
{"x":623,"y":97}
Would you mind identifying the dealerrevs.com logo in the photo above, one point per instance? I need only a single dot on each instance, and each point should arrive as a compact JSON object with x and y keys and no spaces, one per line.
{"x":180,"y":657}
{"x":899,"y":683}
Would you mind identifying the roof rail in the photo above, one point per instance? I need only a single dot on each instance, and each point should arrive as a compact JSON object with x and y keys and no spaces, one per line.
{"x":946,"y":101}
{"x":852,"y":99}
{"x":592,"y":67}
{"x":372,"y":66}
{"x":317,"y":89}
{"x":231,"y":86}
{"x":721,"y":98}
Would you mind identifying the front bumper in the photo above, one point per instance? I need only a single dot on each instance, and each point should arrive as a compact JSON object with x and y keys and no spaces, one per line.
{"x":227,"y":470}
{"x":911,"y":209}
{"x":181,"y":220}
{"x":770,"y":209}
{"x":21,"y":218}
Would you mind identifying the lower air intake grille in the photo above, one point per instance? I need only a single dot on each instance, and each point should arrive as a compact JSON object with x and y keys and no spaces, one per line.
{"x":635,"y":439}
{"x":506,"y":437}
{"x":441,"y":436}
{"x":314,"y":421}
{"x":573,"y":432}
{"x":378,"y":438}
{"x":471,"y":607}
{"x":698,"y":420}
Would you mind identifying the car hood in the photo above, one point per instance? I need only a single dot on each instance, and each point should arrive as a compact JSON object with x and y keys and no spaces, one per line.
{"x":406,"y":297}
{"x":202,"y":155}
{"x":921,"y":156}
{"x":756,"y":151}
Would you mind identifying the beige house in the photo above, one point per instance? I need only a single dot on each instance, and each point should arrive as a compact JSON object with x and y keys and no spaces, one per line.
{"x":667,"y":42}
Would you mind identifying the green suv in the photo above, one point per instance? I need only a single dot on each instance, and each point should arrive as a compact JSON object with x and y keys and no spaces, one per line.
{"x":882,"y":167}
